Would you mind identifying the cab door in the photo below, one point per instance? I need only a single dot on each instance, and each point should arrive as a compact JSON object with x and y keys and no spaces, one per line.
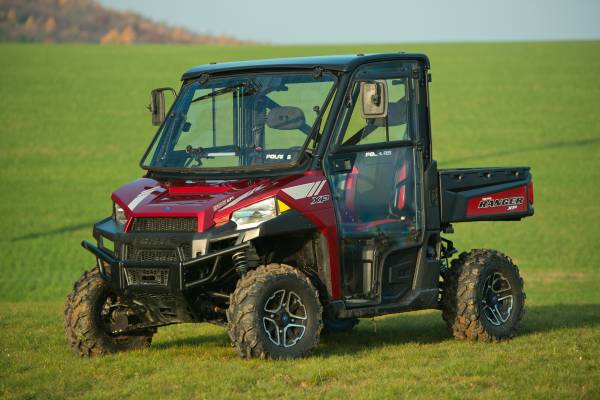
{"x":375,"y":172}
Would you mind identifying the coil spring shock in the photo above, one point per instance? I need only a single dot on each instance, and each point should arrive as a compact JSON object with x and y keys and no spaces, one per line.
{"x":240,"y":262}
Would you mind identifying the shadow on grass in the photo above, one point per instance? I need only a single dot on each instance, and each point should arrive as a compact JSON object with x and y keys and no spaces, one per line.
{"x":525,"y":149}
{"x":429,"y":328}
{"x":393,"y":330}
{"x":213,"y":339}
{"x":58,"y":231}
{"x":421,"y":329}
{"x":546,"y":318}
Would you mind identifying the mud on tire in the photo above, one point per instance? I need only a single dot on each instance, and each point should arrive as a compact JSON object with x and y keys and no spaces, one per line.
{"x":274,"y":312}
{"x":482,"y":296}
{"x":85,"y":329}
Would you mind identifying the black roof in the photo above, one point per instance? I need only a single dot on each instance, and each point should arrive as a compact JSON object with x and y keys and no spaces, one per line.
{"x":337,"y":63}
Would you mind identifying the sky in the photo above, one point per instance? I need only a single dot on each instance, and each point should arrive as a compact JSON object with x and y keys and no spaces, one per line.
{"x":378,"y":21}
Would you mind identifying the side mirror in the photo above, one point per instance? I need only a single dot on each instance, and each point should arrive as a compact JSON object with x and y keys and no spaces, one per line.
{"x":374,"y":99}
{"x":157,"y":104}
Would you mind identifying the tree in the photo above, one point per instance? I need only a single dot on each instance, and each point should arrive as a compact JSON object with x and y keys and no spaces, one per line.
{"x":12,"y":15}
{"x":112,"y":36}
{"x":128,"y":35}
{"x":30,"y":24}
{"x":50,"y":25}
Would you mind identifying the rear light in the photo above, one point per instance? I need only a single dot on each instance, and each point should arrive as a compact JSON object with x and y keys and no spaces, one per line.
{"x":530,"y":192}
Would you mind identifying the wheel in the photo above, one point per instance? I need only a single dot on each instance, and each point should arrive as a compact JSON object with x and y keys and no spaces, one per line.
{"x":274,"y":312}
{"x":482,"y":296}
{"x":339,"y":325}
{"x":92,"y":313}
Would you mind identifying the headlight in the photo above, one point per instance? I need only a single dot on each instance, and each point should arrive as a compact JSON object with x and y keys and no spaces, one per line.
{"x":257,"y":213}
{"x":119,"y":215}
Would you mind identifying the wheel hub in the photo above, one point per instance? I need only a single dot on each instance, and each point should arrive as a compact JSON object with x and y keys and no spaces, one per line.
{"x":285,"y":318}
{"x":114,"y":315}
{"x":497,"y":299}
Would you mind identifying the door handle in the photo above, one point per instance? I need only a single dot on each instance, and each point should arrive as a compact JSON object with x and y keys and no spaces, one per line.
{"x":342,"y":166}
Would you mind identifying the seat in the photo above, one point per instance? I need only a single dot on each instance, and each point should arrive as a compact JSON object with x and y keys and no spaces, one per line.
{"x":372,"y":197}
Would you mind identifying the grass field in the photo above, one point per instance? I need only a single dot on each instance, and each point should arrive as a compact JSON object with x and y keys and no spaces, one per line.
{"x":73,"y":127}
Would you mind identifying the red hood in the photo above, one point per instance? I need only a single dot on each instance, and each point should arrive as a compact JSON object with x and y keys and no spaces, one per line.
{"x":210,"y":201}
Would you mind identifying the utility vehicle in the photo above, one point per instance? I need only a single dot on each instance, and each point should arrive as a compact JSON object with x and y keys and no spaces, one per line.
{"x":286,"y":198}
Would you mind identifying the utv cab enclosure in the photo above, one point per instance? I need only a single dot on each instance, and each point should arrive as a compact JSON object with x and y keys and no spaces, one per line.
{"x":287,"y":198}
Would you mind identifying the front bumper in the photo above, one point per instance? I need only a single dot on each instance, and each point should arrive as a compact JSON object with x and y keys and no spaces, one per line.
{"x":171,"y":277}
{"x":122,"y":270}
{"x":196,"y":259}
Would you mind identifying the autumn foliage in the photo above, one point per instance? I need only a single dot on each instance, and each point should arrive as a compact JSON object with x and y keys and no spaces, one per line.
{"x":88,"y":21}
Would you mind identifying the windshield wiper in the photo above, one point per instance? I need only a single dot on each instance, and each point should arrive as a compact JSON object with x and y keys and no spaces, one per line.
{"x":249,"y":86}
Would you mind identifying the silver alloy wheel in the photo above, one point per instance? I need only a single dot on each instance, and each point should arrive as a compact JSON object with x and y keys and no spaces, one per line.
{"x":497,"y":299}
{"x":285,"y":318}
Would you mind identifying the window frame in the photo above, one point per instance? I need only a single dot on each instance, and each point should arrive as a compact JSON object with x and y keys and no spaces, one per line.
{"x":345,"y":115}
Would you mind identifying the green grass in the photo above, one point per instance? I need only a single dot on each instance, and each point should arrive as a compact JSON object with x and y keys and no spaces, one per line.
{"x":73,"y":127}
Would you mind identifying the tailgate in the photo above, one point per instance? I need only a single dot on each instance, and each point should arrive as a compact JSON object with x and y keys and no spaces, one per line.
{"x":485,"y":194}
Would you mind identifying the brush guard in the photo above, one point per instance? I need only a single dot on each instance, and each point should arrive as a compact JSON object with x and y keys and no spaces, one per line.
{"x":177,"y":269}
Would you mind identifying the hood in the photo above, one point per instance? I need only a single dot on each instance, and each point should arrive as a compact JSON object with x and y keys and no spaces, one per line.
{"x":211,"y":201}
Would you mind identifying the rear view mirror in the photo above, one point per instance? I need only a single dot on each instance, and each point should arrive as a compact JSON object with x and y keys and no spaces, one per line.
{"x":286,"y":118}
{"x":157,"y":104}
{"x":374,"y":99}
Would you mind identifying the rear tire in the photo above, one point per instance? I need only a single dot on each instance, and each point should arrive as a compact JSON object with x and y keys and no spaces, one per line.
{"x":482,"y":296}
{"x":274,"y":312}
{"x":85,"y":318}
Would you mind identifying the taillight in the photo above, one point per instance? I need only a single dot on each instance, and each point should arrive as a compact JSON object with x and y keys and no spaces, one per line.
{"x":530,"y":192}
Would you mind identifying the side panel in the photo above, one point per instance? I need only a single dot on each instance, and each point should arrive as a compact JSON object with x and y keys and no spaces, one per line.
{"x":311,"y":196}
{"x":506,"y":201}
{"x":485,"y":194}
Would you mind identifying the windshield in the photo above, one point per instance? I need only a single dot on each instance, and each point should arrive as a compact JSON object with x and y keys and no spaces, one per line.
{"x":242,"y":121}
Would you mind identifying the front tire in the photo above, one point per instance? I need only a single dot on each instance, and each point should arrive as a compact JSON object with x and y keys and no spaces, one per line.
{"x":482,"y":296}
{"x":91,"y":311}
{"x":274,"y":312}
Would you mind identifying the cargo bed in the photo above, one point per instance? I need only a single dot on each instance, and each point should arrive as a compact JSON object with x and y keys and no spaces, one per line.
{"x":485,"y":194}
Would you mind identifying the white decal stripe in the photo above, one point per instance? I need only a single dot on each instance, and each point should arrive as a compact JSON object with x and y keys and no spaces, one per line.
{"x":316,"y":193}
{"x":305,"y":190}
{"x":140,"y":197}
{"x":242,"y":197}
{"x":299,"y":191}
{"x":312,"y":189}
{"x":323,"y":185}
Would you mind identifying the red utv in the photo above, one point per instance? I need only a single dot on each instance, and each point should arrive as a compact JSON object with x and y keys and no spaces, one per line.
{"x":286,"y":197}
